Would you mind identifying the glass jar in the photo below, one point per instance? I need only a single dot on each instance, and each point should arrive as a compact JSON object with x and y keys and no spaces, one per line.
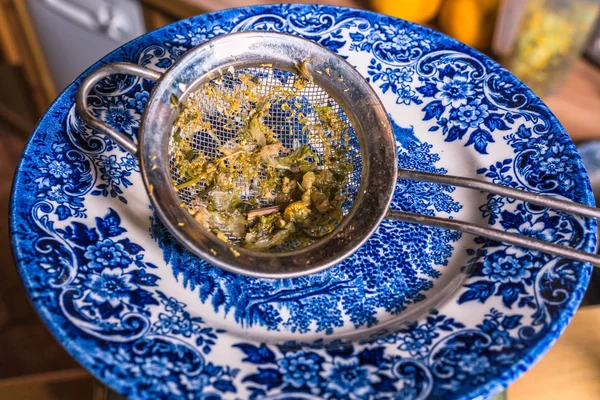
{"x":549,"y":40}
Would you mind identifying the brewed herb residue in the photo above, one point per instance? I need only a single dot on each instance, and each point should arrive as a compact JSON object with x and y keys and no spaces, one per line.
{"x":261,"y":166}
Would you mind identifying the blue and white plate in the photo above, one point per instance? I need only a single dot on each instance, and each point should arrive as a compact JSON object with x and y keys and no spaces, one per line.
{"x":417,"y":313}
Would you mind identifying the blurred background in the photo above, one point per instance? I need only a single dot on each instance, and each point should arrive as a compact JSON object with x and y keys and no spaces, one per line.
{"x":552,"y":45}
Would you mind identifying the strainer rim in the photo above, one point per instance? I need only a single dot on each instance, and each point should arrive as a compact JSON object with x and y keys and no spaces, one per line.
{"x":149,"y":175}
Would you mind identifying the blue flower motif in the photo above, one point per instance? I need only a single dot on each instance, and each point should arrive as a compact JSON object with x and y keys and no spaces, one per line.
{"x":110,"y":166}
{"x":556,"y":165}
{"x":59,"y":169}
{"x":129,"y":162}
{"x":394,"y":79}
{"x":472,"y":115}
{"x":310,"y":18}
{"x":538,"y":144}
{"x":155,"y":372}
{"x":107,"y":254}
{"x":505,"y":269}
{"x":120,"y":357}
{"x":42,"y":182}
{"x":155,"y":366}
{"x":139,"y":100}
{"x":164,"y":63}
{"x":557,"y":148}
{"x":185,"y":327}
{"x":493,"y":207}
{"x":172,"y":305}
{"x":195,"y":384}
{"x":112,"y":171}
{"x":404,"y":75}
{"x":196,"y":36}
{"x":397,"y":75}
{"x":474,"y":364}
{"x":178,"y":322}
{"x":109,"y":286}
{"x":301,"y":368}
{"x":418,"y":340}
{"x":501,"y":338}
{"x":400,"y":41}
{"x":454,"y":90}
{"x":176,"y":51}
{"x":166,"y":323}
{"x":347,"y":377}
{"x":57,"y":195}
{"x":120,"y":117}
{"x":405,"y":94}
{"x":537,"y":230}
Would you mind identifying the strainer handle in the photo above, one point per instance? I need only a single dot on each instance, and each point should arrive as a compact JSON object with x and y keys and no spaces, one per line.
{"x":493,"y":233}
{"x":88,"y":84}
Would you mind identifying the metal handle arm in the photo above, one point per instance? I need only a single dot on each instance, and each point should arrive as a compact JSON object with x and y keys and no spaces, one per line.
{"x":533,"y":198}
{"x":493,"y":233}
{"x":88,"y":84}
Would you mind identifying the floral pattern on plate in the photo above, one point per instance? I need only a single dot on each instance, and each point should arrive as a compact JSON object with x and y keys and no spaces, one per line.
{"x":140,"y":313}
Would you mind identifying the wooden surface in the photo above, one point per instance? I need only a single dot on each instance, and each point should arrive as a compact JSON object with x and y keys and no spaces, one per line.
{"x":8,"y":42}
{"x":69,"y":384}
{"x":16,"y":105}
{"x":19,"y":47}
{"x":571,"y":369}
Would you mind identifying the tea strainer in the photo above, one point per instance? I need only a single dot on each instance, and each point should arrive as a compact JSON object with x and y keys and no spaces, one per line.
{"x":370,"y":146}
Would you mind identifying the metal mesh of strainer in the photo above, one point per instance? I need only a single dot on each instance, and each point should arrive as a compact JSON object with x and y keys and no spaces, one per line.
{"x":289,"y":130}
